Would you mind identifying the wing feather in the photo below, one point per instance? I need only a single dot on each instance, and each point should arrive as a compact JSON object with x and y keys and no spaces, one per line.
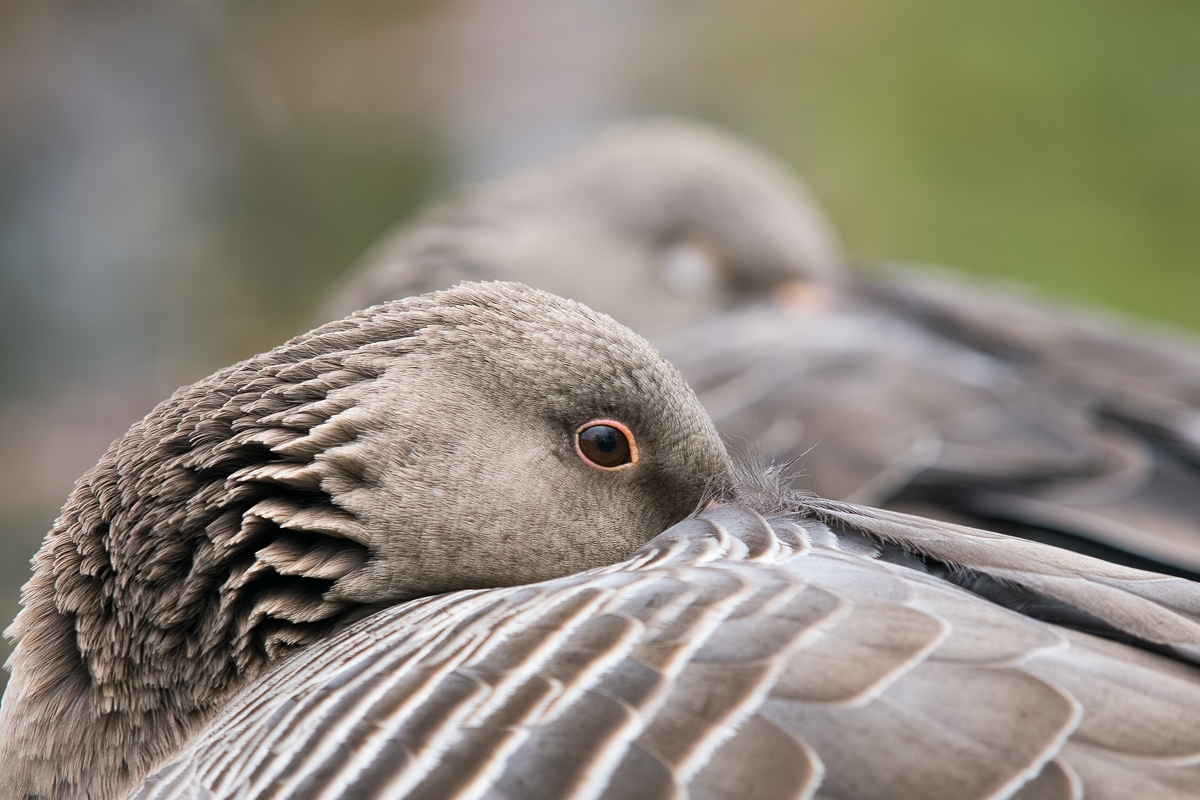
{"x":940,"y":731}
{"x":736,"y":657}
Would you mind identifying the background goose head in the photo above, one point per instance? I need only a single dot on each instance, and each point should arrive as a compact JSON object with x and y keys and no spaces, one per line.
{"x":416,"y":447}
{"x":656,"y":223}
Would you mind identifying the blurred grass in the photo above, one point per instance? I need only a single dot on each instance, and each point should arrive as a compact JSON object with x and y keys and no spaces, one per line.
{"x":1050,"y":143}
{"x":323,"y":200}
{"x":336,"y":147}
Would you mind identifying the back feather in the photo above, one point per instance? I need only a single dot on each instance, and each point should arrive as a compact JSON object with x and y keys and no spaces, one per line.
{"x":828,"y":653}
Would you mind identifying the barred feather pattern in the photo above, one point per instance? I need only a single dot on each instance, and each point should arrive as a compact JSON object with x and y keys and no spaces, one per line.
{"x":835,"y":652}
{"x":206,"y":527}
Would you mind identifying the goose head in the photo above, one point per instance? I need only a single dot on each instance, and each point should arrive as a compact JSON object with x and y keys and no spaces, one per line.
{"x":656,"y":223}
{"x":481,"y":436}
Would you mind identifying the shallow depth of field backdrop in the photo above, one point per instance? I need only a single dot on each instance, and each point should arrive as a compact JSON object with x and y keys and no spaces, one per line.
{"x":180,"y":180}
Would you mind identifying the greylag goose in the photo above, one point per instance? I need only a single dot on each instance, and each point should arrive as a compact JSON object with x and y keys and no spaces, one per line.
{"x":485,"y":436}
{"x":902,"y":388}
{"x":415,"y":553}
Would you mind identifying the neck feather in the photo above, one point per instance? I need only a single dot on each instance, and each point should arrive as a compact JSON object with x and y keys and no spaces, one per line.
{"x":198,"y":552}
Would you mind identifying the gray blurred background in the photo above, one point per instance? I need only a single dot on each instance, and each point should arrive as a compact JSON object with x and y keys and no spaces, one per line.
{"x":182,"y":180}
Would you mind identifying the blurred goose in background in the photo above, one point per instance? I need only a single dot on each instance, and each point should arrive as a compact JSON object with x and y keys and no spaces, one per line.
{"x":971,"y":404}
{"x":414,"y":553}
{"x":657,"y":224}
{"x":899,"y":387}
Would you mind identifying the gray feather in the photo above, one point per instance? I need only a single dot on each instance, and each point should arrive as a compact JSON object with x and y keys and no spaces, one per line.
{"x":716,"y":664}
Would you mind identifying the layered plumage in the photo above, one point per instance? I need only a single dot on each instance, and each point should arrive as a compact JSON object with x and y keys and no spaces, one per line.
{"x":372,"y":563}
{"x":420,"y":447}
{"x":975,"y":405}
{"x":836,"y":652}
{"x":988,"y":406}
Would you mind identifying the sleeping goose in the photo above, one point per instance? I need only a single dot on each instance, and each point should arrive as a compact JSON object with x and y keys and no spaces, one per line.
{"x":980,"y":405}
{"x":417,"y":553}
{"x":657,"y":224}
{"x":485,"y":436}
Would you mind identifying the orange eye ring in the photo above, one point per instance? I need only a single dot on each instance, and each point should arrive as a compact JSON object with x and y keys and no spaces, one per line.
{"x":610,"y":446}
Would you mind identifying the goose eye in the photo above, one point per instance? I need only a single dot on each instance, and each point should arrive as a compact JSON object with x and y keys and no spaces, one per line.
{"x":606,"y":444}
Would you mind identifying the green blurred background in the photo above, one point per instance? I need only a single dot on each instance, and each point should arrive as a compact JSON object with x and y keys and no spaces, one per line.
{"x":181,"y":181}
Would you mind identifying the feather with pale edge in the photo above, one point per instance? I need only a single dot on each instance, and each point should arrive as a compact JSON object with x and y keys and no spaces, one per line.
{"x":838,"y":652}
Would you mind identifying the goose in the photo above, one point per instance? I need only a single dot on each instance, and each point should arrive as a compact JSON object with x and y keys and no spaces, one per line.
{"x":896,"y":386}
{"x":484,"y":436}
{"x":656,"y":224}
{"x":486,"y":542}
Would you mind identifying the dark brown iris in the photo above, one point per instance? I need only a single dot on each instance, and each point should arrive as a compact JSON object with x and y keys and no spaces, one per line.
{"x":606,"y":444}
